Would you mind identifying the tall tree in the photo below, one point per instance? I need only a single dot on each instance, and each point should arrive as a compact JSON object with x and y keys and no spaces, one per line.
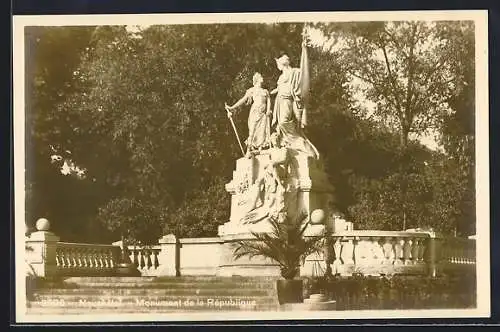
{"x":149,"y":124}
{"x":404,"y":70}
{"x":52,"y":55}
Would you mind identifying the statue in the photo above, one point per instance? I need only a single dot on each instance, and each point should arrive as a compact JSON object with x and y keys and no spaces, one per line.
{"x":272,"y":197}
{"x":258,"y":120}
{"x":289,"y":111}
{"x":267,"y":194}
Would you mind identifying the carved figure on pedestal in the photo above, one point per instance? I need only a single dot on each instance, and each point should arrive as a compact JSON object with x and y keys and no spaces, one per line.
{"x":270,"y":197}
{"x":259,"y":128}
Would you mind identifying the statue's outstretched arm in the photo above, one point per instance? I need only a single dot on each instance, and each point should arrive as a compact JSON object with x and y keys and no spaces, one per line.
{"x":240,"y":102}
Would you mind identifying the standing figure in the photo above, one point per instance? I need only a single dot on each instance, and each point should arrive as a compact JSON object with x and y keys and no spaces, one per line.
{"x":259,"y":128}
{"x":288,"y":112}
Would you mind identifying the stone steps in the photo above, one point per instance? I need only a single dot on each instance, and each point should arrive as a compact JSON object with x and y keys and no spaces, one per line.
{"x":138,"y":291}
{"x":166,"y":285}
{"x":96,"y":295}
{"x":200,"y":278}
{"x":79,"y":310}
{"x":68,"y":298}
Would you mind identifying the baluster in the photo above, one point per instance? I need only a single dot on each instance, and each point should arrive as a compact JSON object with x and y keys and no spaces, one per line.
{"x":407,"y":249}
{"x":422,"y":249}
{"x":337,"y":250}
{"x":94,"y":259}
{"x":454,"y":258}
{"x":361,"y":251}
{"x":136,"y":261}
{"x":149,"y":264}
{"x":388,"y":249}
{"x":59,"y":262}
{"x":90,"y":262}
{"x":61,"y":258}
{"x":78,"y":258}
{"x":156,"y":263}
{"x":398,"y":248}
{"x":67,"y":258}
{"x":141,"y":252}
{"x":348,"y":252}
{"x":111,"y":258}
{"x":378,"y":252}
{"x":86,"y":253}
{"x":105,"y":258}
{"x":102,"y":258}
{"x":97,"y":253}
{"x":73,"y":258}
{"x":415,"y":249}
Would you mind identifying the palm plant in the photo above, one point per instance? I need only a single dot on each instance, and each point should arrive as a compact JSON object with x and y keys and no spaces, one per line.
{"x":285,"y":245}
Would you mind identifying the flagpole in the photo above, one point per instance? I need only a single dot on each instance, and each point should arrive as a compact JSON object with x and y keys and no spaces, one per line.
{"x":229,"y":115}
{"x":304,"y":76}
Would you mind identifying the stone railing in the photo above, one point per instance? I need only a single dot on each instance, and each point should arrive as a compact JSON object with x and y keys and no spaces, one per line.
{"x":454,"y":254}
{"x":385,"y":252}
{"x":366,"y":252}
{"x":75,"y":259}
{"x":146,"y":259}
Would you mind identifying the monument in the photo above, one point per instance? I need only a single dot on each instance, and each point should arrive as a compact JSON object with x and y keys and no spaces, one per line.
{"x":281,"y":173}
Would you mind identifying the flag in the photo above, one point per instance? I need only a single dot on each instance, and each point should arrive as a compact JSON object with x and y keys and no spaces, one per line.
{"x":304,"y":81}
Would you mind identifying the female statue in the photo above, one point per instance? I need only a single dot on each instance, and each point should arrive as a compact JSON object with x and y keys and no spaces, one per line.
{"x":289,"y":108}
{"x":258,"y":119}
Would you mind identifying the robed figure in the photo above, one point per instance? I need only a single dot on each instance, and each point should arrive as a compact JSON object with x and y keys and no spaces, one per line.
{"x":258,"y":118}
{"x":289,"y":114}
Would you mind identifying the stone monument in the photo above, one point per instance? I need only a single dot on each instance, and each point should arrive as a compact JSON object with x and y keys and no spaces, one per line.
{"x":283,"y":177}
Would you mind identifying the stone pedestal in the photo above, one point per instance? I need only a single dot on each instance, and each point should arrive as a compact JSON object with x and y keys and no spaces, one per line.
{"x":305,"y":188}
{"x":169,"y":255}
{"x":41,"y":253}
{"x":256,"y":266}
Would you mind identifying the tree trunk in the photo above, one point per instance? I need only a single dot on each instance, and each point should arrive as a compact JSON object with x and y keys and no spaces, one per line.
{"x":403,"y":171}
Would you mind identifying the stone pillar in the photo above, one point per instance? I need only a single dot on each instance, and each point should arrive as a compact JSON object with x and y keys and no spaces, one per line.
{"x":169,"y":256}
{"x":41,"y":250}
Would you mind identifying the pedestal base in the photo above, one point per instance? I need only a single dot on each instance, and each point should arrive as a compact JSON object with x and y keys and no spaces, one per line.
{"x":244,"y":266}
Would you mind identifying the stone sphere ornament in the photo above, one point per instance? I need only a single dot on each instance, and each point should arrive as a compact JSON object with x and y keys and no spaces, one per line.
{"x":317,"y":217}
{"x":42,"y":224}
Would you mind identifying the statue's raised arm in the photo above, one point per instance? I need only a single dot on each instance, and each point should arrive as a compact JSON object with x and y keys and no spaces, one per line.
{"x":258,"y":119}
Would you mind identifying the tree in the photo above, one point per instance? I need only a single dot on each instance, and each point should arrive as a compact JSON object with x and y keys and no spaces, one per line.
{"x":148,"y":122}
{"x":52,"y":54}
{"x":404,"y":69}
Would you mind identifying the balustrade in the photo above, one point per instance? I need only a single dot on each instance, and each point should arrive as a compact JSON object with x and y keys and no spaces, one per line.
{"x":360,"y":251}
{"x":146,"y":259}
{"x":85,"y":259}
{"x":379,"y":252}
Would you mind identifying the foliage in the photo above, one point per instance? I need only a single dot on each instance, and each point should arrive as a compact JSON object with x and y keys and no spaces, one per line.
{"x":137,"y":221}
{"x":404,"y":68}
{"x":52,"y":55}
{"x":285,"y":245}
{"x":359,"y":292}
{"x":419,"y":78}
{"x":434,"y":199}
{"x":138,"y":118}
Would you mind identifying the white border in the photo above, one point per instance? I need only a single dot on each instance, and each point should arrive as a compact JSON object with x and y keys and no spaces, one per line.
{"x":480,"y":17}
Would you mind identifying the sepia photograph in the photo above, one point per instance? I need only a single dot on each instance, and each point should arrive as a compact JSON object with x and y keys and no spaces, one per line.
{"x":243,"y":166}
